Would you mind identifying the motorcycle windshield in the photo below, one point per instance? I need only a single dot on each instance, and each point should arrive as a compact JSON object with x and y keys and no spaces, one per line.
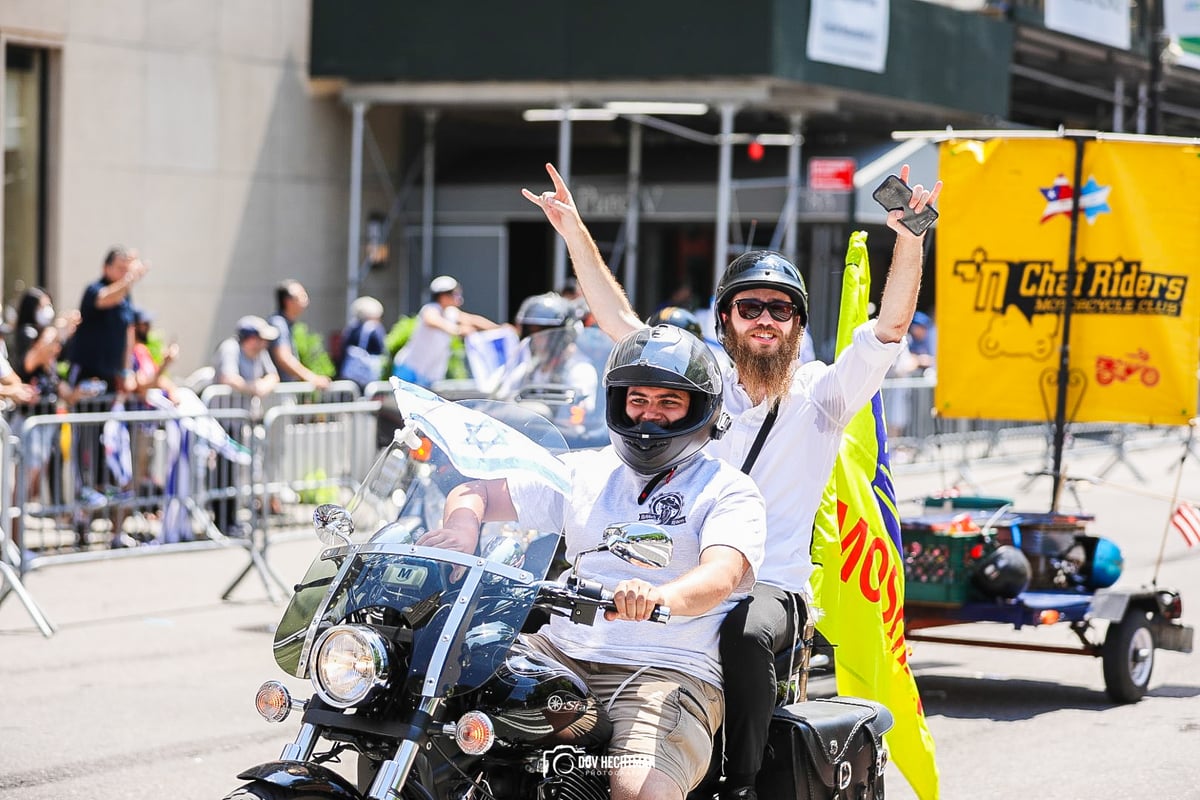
{"x":460,"y":611}
{"x":559,"y":374}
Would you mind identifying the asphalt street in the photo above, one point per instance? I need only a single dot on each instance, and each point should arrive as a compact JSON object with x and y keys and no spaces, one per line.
{"x":147,"y":688}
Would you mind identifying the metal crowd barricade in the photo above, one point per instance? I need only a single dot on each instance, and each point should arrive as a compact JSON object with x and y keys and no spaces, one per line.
{"x":113,"y":468}
{"x":10,"y":550}
{"x":318,"y":453}
{"x":314,"y":454}
{"x":218,"y":395}
{"x":91,"y":486}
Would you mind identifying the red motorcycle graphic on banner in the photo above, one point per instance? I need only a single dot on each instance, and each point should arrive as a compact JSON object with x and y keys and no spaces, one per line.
{"x":1109,"y":369}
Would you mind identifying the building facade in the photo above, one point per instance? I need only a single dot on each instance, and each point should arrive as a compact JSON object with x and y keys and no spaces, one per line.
{"x":365,"y":147}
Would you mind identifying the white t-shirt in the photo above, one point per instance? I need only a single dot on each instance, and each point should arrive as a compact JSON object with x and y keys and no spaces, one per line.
{"x":427,"y":351}
{"x":797,"y":458}
{"x":231,"y":360}
{"x":705,"y":503}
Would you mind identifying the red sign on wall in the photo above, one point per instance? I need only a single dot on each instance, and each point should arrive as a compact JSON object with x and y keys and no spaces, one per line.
{"x":831,"y":174}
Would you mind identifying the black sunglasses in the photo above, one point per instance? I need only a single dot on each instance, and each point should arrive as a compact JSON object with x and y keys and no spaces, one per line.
{"x":780,"y":310}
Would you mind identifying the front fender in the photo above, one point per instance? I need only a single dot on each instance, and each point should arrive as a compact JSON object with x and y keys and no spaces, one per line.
{"x":303,"y":777}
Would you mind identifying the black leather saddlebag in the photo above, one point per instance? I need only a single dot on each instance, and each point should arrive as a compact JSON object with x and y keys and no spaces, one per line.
{"x":826,"y":750}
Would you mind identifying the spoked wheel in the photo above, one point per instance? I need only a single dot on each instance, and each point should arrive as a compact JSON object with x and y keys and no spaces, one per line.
{"x":1128,"y":656}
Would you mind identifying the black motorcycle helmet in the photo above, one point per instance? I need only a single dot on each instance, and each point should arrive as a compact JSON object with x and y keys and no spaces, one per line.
{"x":679,"y":317}
{"x":541,"y":311}
{"x":1005,"y":572}
{"x":670,"y":358}
{"x":760,"y":269}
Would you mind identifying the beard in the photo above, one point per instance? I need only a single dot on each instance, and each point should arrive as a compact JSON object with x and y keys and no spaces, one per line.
{"x":771,"y":371}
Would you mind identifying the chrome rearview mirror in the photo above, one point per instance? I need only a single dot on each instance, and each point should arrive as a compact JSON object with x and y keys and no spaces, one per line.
{"x":639,"y":544}
{"x":333,"y":524}
{"x":505,"y":550}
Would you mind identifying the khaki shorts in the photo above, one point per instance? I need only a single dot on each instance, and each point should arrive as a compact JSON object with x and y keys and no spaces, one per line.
{"x":663,"y":719}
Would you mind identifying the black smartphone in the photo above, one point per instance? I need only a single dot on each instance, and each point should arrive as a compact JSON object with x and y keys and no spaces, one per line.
{"x":894,"y":194}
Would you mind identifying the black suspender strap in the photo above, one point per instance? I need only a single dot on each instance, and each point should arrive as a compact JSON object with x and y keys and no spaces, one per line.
{"x":752,"y":456}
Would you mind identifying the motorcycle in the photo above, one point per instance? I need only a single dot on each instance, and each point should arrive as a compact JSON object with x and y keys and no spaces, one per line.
{"x":557,"y":375}
{"x":413,"y":651}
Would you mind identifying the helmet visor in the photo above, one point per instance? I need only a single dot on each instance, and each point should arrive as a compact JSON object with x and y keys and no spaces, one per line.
{"x":664,"y":356}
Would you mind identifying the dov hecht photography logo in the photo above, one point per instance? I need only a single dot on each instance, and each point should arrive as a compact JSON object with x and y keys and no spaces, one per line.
{"x":569,"y":760}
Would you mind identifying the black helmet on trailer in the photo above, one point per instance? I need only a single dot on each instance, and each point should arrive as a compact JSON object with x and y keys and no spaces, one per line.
{"x":1005,"y":572}
{"x":679,"y":317}
{"x":670,"y":358}
{"x":760,"y":269}
{"x":548,"y":310}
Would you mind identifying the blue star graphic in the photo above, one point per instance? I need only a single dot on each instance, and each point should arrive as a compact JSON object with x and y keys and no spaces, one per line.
{"x":483,"y":436}
{"x":1093,"y":200}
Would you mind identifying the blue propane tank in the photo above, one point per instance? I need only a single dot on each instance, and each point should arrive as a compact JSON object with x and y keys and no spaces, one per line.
{"x":1107,"y":563}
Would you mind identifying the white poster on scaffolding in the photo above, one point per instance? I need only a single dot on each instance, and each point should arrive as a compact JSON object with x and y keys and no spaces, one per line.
{"x":1182,"y":18}
{"x":849,"y":33}
{"x":1103,"y":21}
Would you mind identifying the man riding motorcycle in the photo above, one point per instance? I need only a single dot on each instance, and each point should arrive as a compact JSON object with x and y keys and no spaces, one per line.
{"x":550,"y":368}
{"x":664,"y":399}
{"x":788,"y":423}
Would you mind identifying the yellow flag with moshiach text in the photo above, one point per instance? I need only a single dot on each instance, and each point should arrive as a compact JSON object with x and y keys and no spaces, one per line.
{"x":859,"y":585}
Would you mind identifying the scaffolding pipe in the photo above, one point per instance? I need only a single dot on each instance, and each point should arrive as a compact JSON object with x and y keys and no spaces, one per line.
{"x":354,"y":237}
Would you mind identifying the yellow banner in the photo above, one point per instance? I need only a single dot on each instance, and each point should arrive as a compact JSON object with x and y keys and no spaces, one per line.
{"x":859,"y":587}
{"x":1002,"y":255}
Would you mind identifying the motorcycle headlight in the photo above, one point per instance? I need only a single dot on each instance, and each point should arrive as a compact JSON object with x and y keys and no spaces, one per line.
{"x":351,"y":663}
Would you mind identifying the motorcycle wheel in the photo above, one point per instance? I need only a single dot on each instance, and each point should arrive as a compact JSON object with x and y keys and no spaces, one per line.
{"x":269,"y":791}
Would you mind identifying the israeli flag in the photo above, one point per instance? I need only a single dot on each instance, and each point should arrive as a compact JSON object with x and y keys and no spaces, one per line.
{"x":478,"y":445}
{"x":490,"y":355}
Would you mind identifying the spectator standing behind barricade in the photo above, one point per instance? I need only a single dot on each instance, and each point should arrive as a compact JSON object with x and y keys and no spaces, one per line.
{"x":148,"y":372}
{"x":363,"y":349}
{"x":243,"y":363}
{"x":922,"y":342}
{"x":916,"y":360}
{"x":291,"y":301}
{"x":103,"y":343}
{"x":425,"y":357}
{"x":38,"y":339}
{"x":101,"y":353}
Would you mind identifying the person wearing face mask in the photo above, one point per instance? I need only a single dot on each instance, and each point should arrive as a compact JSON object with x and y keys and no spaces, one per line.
{"x":38,"y":339}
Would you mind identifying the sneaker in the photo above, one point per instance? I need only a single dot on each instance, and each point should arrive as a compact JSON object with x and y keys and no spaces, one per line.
{"x":122,"y":540}
{"x":91,"y":499}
